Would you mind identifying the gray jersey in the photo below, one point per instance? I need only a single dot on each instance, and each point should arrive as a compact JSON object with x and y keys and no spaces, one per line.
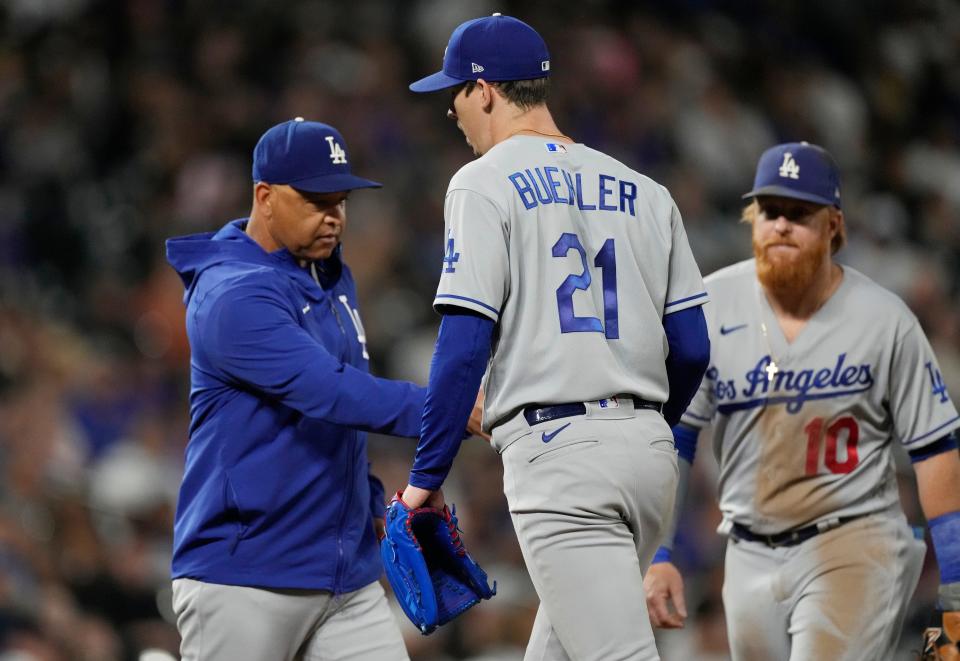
{"x":812,"y":443}
{"x":578,"y":258}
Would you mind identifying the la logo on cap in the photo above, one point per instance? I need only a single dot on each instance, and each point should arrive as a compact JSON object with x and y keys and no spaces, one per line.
{"x":496,"y":48}
{"x":789,"y":168}
{"x":337,"y":154}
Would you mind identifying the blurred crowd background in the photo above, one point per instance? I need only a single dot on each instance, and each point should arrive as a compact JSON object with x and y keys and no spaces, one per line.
{"x":123,"y":123}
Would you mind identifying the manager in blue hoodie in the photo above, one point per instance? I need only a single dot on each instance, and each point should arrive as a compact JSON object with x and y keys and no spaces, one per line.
{"x":275,"y":551}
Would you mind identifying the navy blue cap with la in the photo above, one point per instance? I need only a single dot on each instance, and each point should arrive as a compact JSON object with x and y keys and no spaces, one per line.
{"x":309,"y":156}
{"x":495,"y":48}
{"x":798,"y":170}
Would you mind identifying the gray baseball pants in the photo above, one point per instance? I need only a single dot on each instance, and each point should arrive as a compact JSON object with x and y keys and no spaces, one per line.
{"x":590,"y":497}
{"x":230,"y":622}
{"x":841,"y":595}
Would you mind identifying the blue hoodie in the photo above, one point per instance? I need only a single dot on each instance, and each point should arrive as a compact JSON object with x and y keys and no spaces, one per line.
{"x":276,"y":489}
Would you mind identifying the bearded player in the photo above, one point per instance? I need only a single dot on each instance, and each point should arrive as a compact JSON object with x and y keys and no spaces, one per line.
{"x":815,"y":372}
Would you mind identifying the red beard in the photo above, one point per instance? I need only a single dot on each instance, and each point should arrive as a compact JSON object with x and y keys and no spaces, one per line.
{"x":790,"y":274}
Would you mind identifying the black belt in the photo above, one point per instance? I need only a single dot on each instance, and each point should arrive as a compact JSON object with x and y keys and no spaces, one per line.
{"x":537,"y":413}
{"x":790,"y":537}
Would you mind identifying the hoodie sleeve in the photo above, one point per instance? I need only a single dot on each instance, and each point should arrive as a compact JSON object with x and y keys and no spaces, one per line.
{"x":252,"y":337}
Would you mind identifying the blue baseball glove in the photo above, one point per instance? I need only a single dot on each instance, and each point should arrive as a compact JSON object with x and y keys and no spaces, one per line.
{"x":430,"y":571}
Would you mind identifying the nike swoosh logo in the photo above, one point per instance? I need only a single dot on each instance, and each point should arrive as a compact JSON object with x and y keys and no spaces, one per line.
{"x":725,"y":331}
{"x":546,"y":438}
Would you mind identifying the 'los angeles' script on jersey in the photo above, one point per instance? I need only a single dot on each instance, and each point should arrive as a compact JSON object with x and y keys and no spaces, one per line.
{"x":549,"y":184}
{"x":792,"y":387}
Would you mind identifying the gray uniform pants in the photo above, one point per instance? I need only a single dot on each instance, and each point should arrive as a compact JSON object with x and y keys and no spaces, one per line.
{"x":589,"y":497}
{"x":229,"y":622}
{"x":841,"y":595}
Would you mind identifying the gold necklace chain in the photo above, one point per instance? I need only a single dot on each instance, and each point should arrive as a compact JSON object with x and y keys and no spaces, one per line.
{"x":772,"y":368}
{"x":543,"y":133}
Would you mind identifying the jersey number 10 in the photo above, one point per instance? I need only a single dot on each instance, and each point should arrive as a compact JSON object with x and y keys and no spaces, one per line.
{"x":815,"y":437}
{"x":607,"y":261}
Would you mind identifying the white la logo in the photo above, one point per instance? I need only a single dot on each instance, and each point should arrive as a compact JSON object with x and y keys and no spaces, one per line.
{"x":337,"y":155}
{"x":476,"y":67}
{"x":789,"y":167}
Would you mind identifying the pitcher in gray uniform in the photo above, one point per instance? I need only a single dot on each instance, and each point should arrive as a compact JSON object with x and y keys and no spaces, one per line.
{"x":816,"y":371}
{"x":571,"y":273}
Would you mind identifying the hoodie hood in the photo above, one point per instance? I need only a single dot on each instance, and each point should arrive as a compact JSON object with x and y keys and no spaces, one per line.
{"x":193,"y":254}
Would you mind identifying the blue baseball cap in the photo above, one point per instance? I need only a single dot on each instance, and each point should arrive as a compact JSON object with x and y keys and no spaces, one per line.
{"x":309,"y":156}
{"x":798,"y":170}
{"x":493,"y":48}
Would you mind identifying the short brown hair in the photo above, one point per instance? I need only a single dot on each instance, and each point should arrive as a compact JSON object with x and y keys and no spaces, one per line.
{"x":525,"y":94}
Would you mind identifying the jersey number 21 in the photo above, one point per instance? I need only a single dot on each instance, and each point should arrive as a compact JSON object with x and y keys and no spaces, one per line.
{"x":607,"y":261}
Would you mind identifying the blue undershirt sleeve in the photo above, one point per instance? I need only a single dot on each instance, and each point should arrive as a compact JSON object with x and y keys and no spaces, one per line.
{"x":685,"y":438}
{"x":939,"y":446}
{"x":459,"y":361}
{"x":688,"y":359}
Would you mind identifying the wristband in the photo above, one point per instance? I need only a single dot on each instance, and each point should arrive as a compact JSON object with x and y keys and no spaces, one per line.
{"x":663,"y":554}
{"x":945,"y":533}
